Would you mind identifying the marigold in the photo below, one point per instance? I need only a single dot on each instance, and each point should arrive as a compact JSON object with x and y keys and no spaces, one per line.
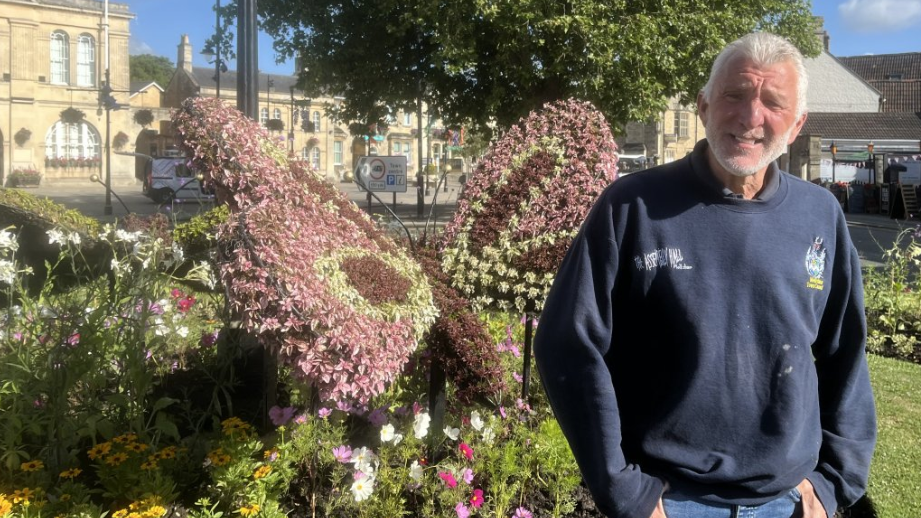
{"x":155,"y":511}
{"x":125,"y":438}
{"x":116,"y":458}
{"x":262,"y":471}
{"x":5,"y":505}
{"x":150,"y":465}
{"x":218,"y":457}
{"x":248,"y":510}
{"x":168,"y":453}
{"x":121,"y":513}
{"x":136,"y":447}
{"x":99,"y":450}
{"x":32,"y":465}
{"x":71,"y":473}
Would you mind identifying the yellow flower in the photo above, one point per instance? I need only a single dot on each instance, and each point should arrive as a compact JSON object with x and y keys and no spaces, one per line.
{"x":218,"y":457}
{"x":125,"y":438}
{"x":5,"y":505}
{"x":136,"y":447}
{"x":116,"y":458}
{"x":71,"y":473}
{"x":99,"y":450}
{"x":262,"y":471}
{"x":270,"y":454}
{"x":32,"y":465}
{"x":233,"y":425}
{"x":22,"y":496}
{"x":155,"y":511}
{"x":65,"y":497}
{"x":121,"y":513}
{"x":168,"y":453}
{"x":248,"y":510}
{"x":149,"y":465}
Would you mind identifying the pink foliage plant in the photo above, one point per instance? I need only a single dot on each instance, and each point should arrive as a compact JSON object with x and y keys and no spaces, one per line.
{"x":306,"y":269}
{"x":524,"y":203}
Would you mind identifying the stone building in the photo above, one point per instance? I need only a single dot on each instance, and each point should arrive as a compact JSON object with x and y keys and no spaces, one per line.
{"x":53,"y":57}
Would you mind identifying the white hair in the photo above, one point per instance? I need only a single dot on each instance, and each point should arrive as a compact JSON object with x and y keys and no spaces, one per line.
{"x":764,"y":49}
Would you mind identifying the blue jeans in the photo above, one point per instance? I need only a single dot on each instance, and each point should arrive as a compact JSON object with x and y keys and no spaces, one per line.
{"x":682,"y":506}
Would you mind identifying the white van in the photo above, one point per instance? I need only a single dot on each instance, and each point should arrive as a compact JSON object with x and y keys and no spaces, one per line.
{"x":171,"y":178}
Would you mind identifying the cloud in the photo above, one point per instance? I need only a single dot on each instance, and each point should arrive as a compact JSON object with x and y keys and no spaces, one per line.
{"x":869,"y":16}
{"x":136,"y":47}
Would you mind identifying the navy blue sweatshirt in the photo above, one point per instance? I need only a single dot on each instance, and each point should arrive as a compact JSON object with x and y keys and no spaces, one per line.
{"x":711,"y":342}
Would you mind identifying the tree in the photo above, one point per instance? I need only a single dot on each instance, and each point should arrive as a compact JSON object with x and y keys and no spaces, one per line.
{"x":147,"y":67}
{"x":476,"y":62}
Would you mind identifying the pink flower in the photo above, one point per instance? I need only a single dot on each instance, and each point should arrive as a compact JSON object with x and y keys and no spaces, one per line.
{"x":466,"y":450}
{"x":502,"y":412}
{"x":521,"y":512}
{"x":467,"y":476}
{"x":517,"y":377}
{"x":461,"y":510}
{"x":448,"y":478}
{"x":280,"y":416}
{"x":175,"y":293}
{"x":324,"y":412}
{"x":343,"y":454}
{"x":300,"y":419}
{"x":73,"y":340}
{"x":417,"y":408}
{"x":477,"y":499}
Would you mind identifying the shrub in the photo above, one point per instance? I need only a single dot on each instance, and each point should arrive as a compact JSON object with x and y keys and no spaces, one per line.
{"x":524,"y":204}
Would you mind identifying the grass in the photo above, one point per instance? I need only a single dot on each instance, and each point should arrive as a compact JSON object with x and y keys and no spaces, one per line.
{"x":895,"y":475}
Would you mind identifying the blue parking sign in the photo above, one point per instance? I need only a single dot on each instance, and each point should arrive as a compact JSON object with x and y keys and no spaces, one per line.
{"x":391,"y":179}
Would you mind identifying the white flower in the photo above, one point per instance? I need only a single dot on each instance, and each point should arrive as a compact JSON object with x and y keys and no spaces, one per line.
{"x":397,"y":438}
{"x":421,"y":425}
{"x":387,"y":433}
{"x":164,"y":305}
{"x":452,"y":433}
{"x":8,"y":241}
{"x":7,"y":271}
{"x":56,"y":236}
{"x":488,"y":435}
{"x":178,"y":254}
{"x":74,"y":238}
{"x":476,"y":421}
{"x":129,"y":237}
{"x":118,"y":267}
{"x":362,"y":488}
{"x":415,"y":471}
{"x":183,"y":331}
{"x":362,"y":458}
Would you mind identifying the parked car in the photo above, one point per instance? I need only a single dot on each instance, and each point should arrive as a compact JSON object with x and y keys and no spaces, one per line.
{"x":169,"y":178}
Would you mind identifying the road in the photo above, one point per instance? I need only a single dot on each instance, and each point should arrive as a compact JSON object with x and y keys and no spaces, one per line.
{"x":872,"y":234}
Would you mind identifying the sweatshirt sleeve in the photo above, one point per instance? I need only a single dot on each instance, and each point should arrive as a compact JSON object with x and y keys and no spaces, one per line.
{"x":848,"y":413}
{"x":573,"y":336}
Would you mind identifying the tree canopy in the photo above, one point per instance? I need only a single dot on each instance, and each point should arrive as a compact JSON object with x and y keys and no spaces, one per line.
{"x":147,"y":67}
{"x":478,"y":62}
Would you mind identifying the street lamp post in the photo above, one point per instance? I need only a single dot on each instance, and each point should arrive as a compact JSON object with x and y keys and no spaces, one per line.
{"x":291,"y":128}
{"x":873,"y":162}
{"x":834,"y":153}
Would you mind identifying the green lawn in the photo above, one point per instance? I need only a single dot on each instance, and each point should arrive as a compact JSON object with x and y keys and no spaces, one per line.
{"x":895,"y":476}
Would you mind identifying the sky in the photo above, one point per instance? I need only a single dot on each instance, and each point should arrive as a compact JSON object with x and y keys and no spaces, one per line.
{"x":856,"y":27}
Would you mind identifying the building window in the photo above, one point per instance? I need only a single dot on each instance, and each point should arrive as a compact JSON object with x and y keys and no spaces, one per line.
{"x":71,"y":142}
{"x":276,"y":113}
{"x":315,"y":157}
{"x":305,"y":154}
{"x":396,"y":148}
{"x":263,"y":115}
{"x":316,"y":121}
{"x":894,"y":77}
{"x":337,"y":152}
{"x":681,"y":124}
{"x":407,"y":150}
{"x":407,"y":119}
{"x":86,"y":60}
{"x":60,"y":58}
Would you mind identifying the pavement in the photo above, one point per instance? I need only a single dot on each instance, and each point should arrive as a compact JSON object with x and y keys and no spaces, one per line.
{"x":89,"y":198}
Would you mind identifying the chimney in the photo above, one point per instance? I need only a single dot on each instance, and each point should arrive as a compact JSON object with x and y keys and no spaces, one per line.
{"x":184,"y":56}
{"x":821,"y":33}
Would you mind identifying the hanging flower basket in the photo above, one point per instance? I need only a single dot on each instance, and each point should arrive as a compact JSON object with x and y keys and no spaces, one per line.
{"x":24,"y":177}
{"x":120,"y":140}
{"x":22,"y":136}
{"x":72,"y":116}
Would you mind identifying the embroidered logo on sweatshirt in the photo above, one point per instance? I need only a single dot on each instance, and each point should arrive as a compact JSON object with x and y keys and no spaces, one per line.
{"x":815,"y":264}
{"x":661,"y":258}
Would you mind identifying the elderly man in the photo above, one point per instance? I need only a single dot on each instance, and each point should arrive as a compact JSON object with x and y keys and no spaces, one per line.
{"x":703,"y":345}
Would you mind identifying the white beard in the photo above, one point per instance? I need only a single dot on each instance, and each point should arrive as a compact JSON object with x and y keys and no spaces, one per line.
{"x":736,"y":165}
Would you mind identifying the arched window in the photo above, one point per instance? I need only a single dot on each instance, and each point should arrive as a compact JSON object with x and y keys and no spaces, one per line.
{"x":86,"y":60}
{"x":60,"y":58}
{"x":305,"y":153}
{"x":315,"y":157}
{"x":263,"y":115}
{"x":72,"y":141}
{"x":276,"y":113}
{"x":316,"y":121}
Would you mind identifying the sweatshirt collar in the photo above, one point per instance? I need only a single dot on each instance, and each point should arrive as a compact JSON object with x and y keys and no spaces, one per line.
{"x":702,"y":169}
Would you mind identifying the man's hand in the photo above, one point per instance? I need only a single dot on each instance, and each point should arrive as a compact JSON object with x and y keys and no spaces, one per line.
{"x":809,"y":506}
{"x":659,"y":511}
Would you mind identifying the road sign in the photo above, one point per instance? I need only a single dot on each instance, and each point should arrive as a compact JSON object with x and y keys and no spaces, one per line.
{"x":382,"y":173}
